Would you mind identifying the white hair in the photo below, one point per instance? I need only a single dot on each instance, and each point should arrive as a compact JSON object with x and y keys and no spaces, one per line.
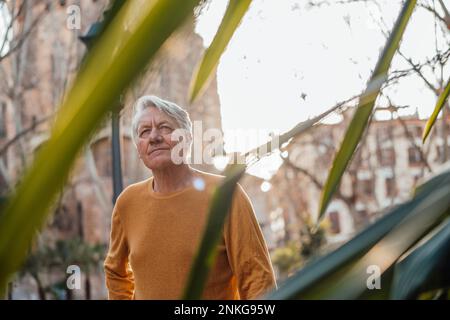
{"x":171,"y":109}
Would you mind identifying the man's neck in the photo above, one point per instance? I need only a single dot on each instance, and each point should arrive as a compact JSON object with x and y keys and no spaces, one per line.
{"x":172,"y":179}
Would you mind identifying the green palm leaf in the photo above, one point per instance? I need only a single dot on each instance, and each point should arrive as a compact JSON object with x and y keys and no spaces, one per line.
{"x":235,"y":12}
{"x":426,"y":266}
{"x":439,"y":105}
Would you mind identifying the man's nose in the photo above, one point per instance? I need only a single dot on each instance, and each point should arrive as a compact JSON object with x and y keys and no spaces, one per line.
{"x":155,"y":136}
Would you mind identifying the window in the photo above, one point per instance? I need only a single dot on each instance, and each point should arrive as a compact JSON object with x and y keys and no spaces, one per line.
{"x":2,"y":120}
{"x":386,"y":157}
{"x":391,"y":189}
{"x":335,"y":223}
{"x":440,"y":153}
{"x":414,"y":157}
{"x":384,"y":134}
{"x":131,"y":163}
{"x":103,"y":157}
{"x":361,"y":216}
{"x":365,"y":187}
{"x":415,"y":131}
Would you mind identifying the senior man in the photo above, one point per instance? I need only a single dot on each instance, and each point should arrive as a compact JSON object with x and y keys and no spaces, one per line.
{"x":157,"y":224}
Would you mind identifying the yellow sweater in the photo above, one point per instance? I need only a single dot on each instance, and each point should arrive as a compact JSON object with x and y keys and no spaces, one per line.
{"x":154,"y":239}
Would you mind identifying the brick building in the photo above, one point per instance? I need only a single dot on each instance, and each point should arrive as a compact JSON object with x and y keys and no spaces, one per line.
{"x":385,"y":169}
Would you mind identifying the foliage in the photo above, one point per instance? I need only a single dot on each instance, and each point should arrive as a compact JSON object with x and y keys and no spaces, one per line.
{"x":54,"y":259}
{"x":295,"y":254}
{"x":287,"y":258}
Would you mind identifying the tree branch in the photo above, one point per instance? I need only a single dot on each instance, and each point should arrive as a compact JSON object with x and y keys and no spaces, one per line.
{"x":26,"y":33}
{"x":19,"y":135}
{"x":317,"y":183}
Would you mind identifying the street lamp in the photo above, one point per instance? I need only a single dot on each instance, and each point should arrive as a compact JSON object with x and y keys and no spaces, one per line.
{"x":88,"y":40}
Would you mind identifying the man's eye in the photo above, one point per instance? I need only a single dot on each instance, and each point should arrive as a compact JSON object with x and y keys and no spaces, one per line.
{"x":144,"y":132}
{"x":165,"y":128}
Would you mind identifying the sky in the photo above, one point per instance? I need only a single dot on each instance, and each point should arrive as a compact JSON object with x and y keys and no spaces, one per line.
{"x":288,"y":62}
{"x":4,"y":21}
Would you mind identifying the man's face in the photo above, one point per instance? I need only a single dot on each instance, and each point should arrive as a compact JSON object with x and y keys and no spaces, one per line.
{"x":154,"y":142}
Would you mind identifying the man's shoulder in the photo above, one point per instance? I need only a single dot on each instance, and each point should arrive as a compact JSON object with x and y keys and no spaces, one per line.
{"x":133,"y":191}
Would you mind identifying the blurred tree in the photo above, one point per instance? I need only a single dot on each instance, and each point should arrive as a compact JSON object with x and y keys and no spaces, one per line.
{"x":54,"y":259}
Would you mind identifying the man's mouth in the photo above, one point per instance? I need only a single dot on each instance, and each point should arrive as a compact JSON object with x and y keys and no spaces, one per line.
{"x":157,"y":149}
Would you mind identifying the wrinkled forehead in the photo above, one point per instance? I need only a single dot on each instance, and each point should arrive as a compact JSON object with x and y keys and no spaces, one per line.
{"x":154,"y":116}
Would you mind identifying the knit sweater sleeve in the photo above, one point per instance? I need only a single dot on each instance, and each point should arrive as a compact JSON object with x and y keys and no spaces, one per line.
{"x":118,"y":273}
{"x":247,"y":250}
